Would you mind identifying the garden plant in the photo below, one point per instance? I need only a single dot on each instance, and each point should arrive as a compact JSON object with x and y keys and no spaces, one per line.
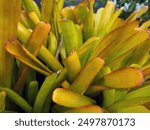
{"x":72,"y":59}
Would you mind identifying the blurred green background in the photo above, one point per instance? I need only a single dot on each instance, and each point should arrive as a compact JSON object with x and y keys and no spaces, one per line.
{"x":129,"y":5}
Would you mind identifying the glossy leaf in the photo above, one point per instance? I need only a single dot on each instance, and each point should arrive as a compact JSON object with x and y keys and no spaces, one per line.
{"x":44,"y":54}
{"x":49,"y":59}
{"x":86,"y":49}
{"x":73,"y":66}
{"x":128,"y":103}
{"x":23,"y":34}
{"x":35,"y":42}
{"x":70,"y":36}
{"x":43,"y":93}
{"x":33,"y":46}
{"x":113,"y":39}
{"x":86,"y":75}
{"x":107,"y":15}
{"x":26,"y":21}
{"x":128,"y":77}
{"x":143,"y":91}
{"x":60,"y":96}
{"x":33,"y":17}
{"x":141,"y":54}
{"x":17,"y":50}
{"x":136,"y":39}
{"x":88,"y":29}
{"x":121,"y":61}
{"x":30,"y":5}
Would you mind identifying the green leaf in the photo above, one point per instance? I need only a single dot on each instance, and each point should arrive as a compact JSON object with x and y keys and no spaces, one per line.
{"x":121,"y":61}
{"x":67,"y":13}
{"x":136,"y":39}
{"x":88,"y":25}
{"x":86,"y":49}
{"x":86,"y":75}
{"x":135,"y":109}
{"x":128,"y":103}
{"x":143,"y":91}
{"x":141,"y":54}
{"x":17,"y":50}
{"x":80,"y":13}
{"x":43,"y":93}
{"x":32,"y":92}
{"x":2,"y":100}
{"x":60,"y":96}
{"x":50,"y":60}
{"x":124,"y":78}
{"x":73,"y":66}
{"x":17,"y":99}
{"x":113,"y":39}
{"x":86,"y":109}
{"x":106,"y":17}
{"x":9,"y":17}
{"x":70,"y":36}
{"x":30,"y":5}
{"x":47,"y":8}
{"x":52,"y":43}
{"x":33,"y":46}
{"x":109,"y":97}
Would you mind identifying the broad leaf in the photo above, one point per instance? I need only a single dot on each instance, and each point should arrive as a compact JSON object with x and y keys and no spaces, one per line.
{"x":128,"y":77}
{"x":17,"y":50}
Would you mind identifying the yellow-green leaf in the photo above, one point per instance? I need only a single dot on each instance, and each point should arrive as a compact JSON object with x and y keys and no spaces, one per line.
{"x":9,"y":17}
{"x":141,"y":54}
{"x":140,"y":92}
{"x":86,"y":109}
{"x":128,"y":77}
{"x":135,"y":109}
{"x":137,"y":13}
{"x":128,"y":103}
{"x":47,"y":8}
{"x":133,"y":41}
{"x":69,"y":98}
{"x":73,"y":66}
{"x":113,"y":39}
{"x":86,"y":75}
{"x":68,"y":14}
{"x":15,"y":48}
{"x":70,"y":36}
{"x":2,"y":100}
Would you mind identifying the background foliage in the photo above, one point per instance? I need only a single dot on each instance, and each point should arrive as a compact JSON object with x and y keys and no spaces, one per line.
{"x":129,"y":5}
